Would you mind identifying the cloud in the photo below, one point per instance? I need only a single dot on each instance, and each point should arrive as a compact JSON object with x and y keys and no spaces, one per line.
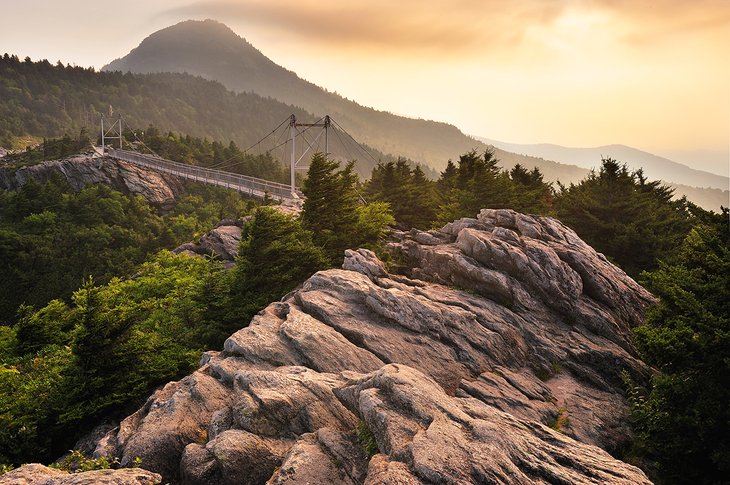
{"x":463,"y":28}
{"x":659,"y":22}
{"x":455,"y":26}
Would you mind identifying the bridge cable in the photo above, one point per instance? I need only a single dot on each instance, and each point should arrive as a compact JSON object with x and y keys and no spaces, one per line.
{"x":367,"y":152}
{"x":245,"y":152}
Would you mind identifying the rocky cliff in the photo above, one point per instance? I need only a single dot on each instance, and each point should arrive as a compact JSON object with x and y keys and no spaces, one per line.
{"x":494,"y":355}
{"x":159,"y":189}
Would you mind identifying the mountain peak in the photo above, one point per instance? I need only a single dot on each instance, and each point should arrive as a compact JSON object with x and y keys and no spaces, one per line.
{"x":208,"y":30}
{"x":193,"y":46}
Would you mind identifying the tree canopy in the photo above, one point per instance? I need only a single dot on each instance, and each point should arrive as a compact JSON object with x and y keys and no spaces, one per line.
{"x":276,"y":255}
{"x":52,"y":238}
{"x":633,"y":221}
{"x":68,"y":365}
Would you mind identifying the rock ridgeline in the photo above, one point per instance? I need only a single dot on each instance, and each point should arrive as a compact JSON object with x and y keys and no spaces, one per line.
{"x":494,"y":356}
{"x":159,"y":189}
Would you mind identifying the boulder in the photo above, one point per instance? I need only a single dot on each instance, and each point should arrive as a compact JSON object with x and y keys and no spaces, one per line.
{"x":221,"y":242}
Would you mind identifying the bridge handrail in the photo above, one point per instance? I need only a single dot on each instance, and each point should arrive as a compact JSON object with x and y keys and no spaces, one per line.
{"x":223,"y":177}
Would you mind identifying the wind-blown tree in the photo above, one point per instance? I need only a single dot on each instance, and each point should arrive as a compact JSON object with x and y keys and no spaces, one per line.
{"x":332,"y":210}
{"x":620,"y":213}
{"x":683,"y":424}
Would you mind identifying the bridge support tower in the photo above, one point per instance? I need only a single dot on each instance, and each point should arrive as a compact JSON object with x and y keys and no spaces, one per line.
{"x":293,"y":125}
{"x":114,"y":132}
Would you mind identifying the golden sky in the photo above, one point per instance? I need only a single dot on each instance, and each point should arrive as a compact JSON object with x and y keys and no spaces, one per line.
{"x":650,"y":74}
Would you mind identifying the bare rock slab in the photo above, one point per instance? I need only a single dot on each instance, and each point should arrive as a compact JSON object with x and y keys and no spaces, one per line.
{"x":495,"y":356}
{"x":36,"y":474}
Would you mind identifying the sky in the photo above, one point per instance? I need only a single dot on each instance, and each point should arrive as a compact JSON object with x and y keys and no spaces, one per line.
{"x":652,"y":74}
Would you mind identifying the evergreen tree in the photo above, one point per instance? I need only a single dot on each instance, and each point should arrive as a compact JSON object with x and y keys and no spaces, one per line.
{"x":424,"y":214}
{"x":275,"y":256}
{"x":330,"y":208}
{"x":683,"y":425}
{"x":477,"y":183}
{"x":531,"y":193}
{"x":410,"y":195}
{"x":619,"y":213}
{"x":447,"y":181}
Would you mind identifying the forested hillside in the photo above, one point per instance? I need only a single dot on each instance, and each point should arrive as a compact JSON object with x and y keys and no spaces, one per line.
{"x":41,"y":99}
{"x":38,"y":99}
{"x":52,"y":238}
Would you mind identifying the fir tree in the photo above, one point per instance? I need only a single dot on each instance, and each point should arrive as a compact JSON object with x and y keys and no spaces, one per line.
{"x":619,"y":213}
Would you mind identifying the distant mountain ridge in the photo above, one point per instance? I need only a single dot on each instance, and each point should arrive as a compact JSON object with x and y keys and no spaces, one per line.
{"x":654,"y":166}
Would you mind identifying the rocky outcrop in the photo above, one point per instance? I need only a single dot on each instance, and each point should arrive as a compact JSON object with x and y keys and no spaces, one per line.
{"x":494,"y":356}
{"x":159,"y":189}
{"x":35,"y":474}
{"x":221,"y":242}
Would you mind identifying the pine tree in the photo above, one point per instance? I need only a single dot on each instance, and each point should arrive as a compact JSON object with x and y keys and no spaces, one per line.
{"x":447,"y":181}
{"x":276,"y":255}
{"x":620,"y":214}
{"x":410,"y":195}
{"x":531,"y":193}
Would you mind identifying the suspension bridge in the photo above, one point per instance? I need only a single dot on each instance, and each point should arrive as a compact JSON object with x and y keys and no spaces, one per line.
{"x":315,"y":137}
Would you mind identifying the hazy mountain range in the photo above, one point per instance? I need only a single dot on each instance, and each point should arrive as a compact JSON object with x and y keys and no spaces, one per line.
{"x":654,"y":166}
{"x":213,"y":51}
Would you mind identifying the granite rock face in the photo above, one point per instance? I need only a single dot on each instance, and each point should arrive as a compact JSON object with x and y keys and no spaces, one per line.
{"x":159,"y":189}
{"x":494,"y":356}
{"x":35,"y":474}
